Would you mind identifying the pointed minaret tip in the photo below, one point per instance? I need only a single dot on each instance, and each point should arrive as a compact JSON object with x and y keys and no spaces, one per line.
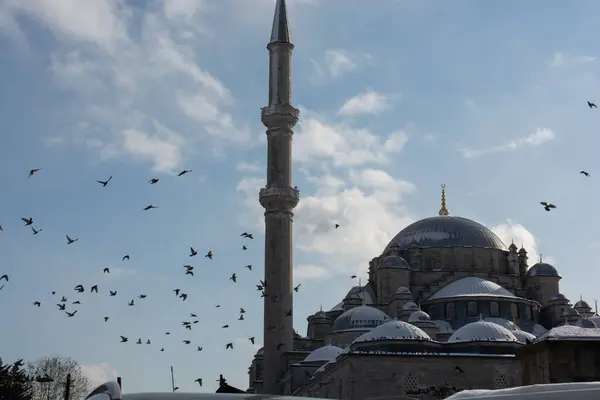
{"x":280,"y":33}
{"x":444,"y":210}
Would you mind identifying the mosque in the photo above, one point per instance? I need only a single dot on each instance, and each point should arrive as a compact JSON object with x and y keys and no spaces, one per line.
{"x":447,"y":305}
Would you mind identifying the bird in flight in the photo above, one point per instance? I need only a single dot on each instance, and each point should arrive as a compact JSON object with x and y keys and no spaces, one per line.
{"x":71,"y":314}
{"x":104,"y":183}
{"x":153,"y":181}
{"x":585,"y":173}
{"x":125,"y":257}
{"x":106,"y":270}
{"x":592,"y":105}
{"x":69,"y":240}
{"x":297,"y":288}
{"x":247,"y":235}
{"x":148,"y":207}
{"x":249,"y":266}
{"x":37,"y":303}
{"x":123,"y":339}
{"x":28,"y":221}
{"x":5,"y":277}
{"x":193,"y":252}
{"x":233,"y":278}
{"x":185,"y":171}
{"x":33,"y":171}
{"x":547,"y":206}
{"x":251,"y":339}
{"x":209,"y":255}
{"x":337,"y":226}
{"x":36,"y":231}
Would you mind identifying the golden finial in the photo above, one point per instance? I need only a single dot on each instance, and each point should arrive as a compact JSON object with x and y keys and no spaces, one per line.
{"x":444,"y":210}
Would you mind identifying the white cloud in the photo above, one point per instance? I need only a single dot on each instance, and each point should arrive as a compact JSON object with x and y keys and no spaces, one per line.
{"x":252,"y":212}
{"x":305,"y":272}
{"x":370,"y":102}
{"x":249,"y":167}
{"x":511,"y":232}
{"x":540,"y":136}
{"x":343,"y":145}
{"x":183,"y":9}
{"x":165,"y":151}
{"x":336,"y":63}
{"x":99,"y":373}
{"x":562,"y":60}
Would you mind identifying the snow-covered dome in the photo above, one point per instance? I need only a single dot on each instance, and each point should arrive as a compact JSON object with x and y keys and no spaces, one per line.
{"x":325,"y":353}
{"x":419,"y":316}
{"x":511,"y":326}
{"x":410,"y":306}
{"x":542,"y":269}
{"x":394,"y":330}
{"x":403,"y":290}
{"x":523,"y":337}
{"x":360,"y":317}
{"x":482,"y":331}
{"x":394,"y":262}
{"x":538,"y":330}
{"x":471,"y":286}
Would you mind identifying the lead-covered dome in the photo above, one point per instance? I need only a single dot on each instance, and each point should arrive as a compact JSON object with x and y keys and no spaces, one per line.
{"x":524,"y":337}
{"x":446,"y":231}
{"x":542,"y":269}
{"x":394,"y":330}
{"x":482,"y":331}
{"x":325,"y":353}
{"x":360,"y":317}
{"x":471,"y":286}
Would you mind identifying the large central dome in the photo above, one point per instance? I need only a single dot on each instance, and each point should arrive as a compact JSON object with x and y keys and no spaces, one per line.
{"x":446,"y":231}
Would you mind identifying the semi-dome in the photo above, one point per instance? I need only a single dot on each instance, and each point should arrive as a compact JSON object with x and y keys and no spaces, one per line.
{"x":471,"y":286}
{"x":394,"y":330}
{"x":482,"y":331}
{"x":325,"y":353}
{"x":542,"y":269}
{"x":523,"y":337}
{"x":360,"y":317}
{"x":446,"y":231}
{"x":394,"y":262}
{"x":418,"y":316}
{"x":410,"y":306}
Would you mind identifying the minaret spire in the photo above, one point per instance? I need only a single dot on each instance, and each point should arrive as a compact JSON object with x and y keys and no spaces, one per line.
{"x":278,"y":199}
{"x":444,"y":210}
{"x":281,"y":27}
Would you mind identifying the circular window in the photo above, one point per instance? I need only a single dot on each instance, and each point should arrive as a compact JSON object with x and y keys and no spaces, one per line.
{"x":411,"y":383}
{"x":502,"y":382}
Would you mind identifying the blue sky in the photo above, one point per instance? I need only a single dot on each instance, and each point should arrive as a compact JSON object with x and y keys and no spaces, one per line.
{"x":489,"y":98}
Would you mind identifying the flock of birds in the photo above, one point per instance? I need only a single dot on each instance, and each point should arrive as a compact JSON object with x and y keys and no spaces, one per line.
{"x":64,"y":302}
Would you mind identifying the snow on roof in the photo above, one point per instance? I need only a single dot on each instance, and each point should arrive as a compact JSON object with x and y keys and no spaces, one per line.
{"x":555,"y":391}
{"x":524,"y":337}
{"x":571,"y":332}
{"x":471,"y":286}
{"x":482,"y":331}
{"x":394,"y":330}
{"x":538,"y":330}
{"x":511,"y":326}
{"x":325,"y":353}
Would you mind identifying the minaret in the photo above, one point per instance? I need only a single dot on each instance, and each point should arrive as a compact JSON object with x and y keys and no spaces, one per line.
{"x":278,"y":199}
{"x":444,"y":210}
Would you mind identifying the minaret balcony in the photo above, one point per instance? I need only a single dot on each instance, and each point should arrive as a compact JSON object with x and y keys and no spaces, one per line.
{"x":277,"y":113}
{"x":278,"y":198}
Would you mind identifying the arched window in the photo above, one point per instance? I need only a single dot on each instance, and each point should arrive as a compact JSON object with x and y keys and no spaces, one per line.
{"x":472,"y":309}
{"x":411,"y":383}
{"x":494,"y":309}
{"x":450,"y":312}
{"x":502,"y":382}
{"x":514,"y":311}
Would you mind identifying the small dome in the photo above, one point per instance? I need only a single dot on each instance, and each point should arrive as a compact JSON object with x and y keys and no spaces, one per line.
{"x":410,"y":306}
{"x":395,"y":262}
{"x":403,"y":290}
{"x":512,"y":247}
{"x":542,"y":269}
{"x":595,"y":319}
{"x":569,"y":312}
{"x":523,"y":337}
{"x":503,"y":323}
{"x":325,"y":353}
{"x":522,"y":251}
{"x":419,"y":316}
{"x":260,"y":351}
{"x":321,"y":314}
{"x":582,"y":304}
{"x":538,"y":330}
{"x":559,"y":296}
{"x":482,"y":331}
{"x":585,"y":323}
{"x":360,"y":317}
{"x":471,"y":286}
{"x":394,"y":330}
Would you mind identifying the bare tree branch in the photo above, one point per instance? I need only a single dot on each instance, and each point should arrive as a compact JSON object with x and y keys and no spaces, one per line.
{"x":57,"y":368}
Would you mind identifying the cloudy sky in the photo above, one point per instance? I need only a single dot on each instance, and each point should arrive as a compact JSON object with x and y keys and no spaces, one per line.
{"x":486,"y":97}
